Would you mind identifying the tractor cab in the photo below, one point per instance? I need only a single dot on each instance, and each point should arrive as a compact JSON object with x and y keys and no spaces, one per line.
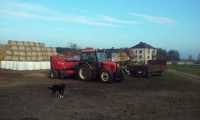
{"x":92,"y":55}
{"x":94,"y":64}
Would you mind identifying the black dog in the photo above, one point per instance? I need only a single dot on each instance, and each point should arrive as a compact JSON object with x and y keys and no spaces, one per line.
{"x":58,"y":89}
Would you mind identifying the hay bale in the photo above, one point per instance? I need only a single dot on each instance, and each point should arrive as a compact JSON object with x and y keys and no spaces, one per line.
{"x":21,"y":47}
{"x":33,"y":58}
{"x":48,"y":49}
{"x":43,"y":49}
{"x":26,"y":43}
{"x":8,"y":58}
{"x":33,"y":48}
{"x":28,"y":48}
{"x":22,"y":53}
{"x":16,"y":53}
{"x":37,"y":44}
{"x":47,"y":58}
{"x":22,"y":58}
{"x":39,"y":54}
{"x":40,"y":58}
{"x":8,"y":52}
{"x":11,"y":42}
{"x":42,"y":45}
{"x":2,"y":54}
{"x":33,"y":54}
{"x":20,"y":43}
{"x":28,"y":53}
{"x":32,"y":44}
{"x":13,"y":47}
{"x":28,"y":58}
{"x":49,"y":54}
{"x":38,"y":49}
{"x":43,"y":53}
{"x":15,"y":58}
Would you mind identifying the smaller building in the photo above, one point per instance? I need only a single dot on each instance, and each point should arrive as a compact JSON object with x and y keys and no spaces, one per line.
{"x":142,"y":52}
{"x":117,"y":55}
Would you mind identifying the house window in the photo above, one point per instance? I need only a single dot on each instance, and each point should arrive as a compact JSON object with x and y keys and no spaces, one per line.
{"x":140,"y":51}
{"x":136,"y":51}
{"x":140,"y":57}
{"x":148,"y":57}
{"x":153,"y":51}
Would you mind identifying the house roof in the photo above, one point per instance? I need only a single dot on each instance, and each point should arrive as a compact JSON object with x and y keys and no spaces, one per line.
{"x":142,"y":45}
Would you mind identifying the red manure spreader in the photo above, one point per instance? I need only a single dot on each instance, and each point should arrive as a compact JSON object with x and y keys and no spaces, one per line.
{"x":92,"y":65}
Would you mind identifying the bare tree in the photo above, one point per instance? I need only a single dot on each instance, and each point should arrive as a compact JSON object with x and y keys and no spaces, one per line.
{"x":190,"y":58}
{"x":198,"y":58}
{"x":173,"y":55}
{"x":73,"y":45}
{"x":161,"y":54}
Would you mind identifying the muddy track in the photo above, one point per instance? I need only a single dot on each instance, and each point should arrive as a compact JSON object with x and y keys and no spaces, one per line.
{"x":25,"y":96}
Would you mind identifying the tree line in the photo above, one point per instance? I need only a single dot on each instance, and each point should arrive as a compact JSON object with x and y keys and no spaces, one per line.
{"x":171,"y":55}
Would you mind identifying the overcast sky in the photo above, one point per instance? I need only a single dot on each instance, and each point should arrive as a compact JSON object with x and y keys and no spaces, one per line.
{"x":168,"y":24}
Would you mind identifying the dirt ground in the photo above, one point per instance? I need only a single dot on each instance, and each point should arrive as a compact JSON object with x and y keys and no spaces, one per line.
{"x":25,"y":96}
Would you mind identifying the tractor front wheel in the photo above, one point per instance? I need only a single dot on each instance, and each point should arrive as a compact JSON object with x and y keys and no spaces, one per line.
{"x":105,"y":77}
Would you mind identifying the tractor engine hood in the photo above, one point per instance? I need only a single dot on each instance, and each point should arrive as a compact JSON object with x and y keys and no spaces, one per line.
{"x":109,"y":66}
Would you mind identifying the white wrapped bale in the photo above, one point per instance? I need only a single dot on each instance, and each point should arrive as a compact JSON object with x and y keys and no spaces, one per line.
{"x":42,"y":66}
{"x":14,"y":65}
{"x":10,"y":65}
{"x":3,"y":64}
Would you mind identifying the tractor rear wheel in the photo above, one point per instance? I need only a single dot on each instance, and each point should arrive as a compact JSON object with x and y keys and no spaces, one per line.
{"x":85,"y":73}
{"x":105,"y":77}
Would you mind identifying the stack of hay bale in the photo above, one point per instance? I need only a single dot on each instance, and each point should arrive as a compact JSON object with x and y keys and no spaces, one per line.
{"x":2,"y":52}
{"x":28,"y":51}
{"x":17,"y":53}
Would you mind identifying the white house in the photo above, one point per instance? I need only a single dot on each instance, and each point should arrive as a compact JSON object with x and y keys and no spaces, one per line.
{"x":142,"y":52}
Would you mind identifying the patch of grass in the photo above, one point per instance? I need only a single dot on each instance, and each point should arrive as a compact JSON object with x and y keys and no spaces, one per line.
{"x":192,"y":69}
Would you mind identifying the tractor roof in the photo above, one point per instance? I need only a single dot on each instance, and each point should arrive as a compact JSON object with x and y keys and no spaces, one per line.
{"x":88,"y":50}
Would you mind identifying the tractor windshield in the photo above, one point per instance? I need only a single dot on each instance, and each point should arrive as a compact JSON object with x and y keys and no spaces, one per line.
{"x":101,"y":56}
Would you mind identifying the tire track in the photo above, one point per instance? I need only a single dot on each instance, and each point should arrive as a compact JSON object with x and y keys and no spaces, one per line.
{"x":189,"y":76}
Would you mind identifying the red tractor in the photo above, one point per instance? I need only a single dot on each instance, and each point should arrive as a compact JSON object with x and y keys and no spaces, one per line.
{"x":92,"y":65}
